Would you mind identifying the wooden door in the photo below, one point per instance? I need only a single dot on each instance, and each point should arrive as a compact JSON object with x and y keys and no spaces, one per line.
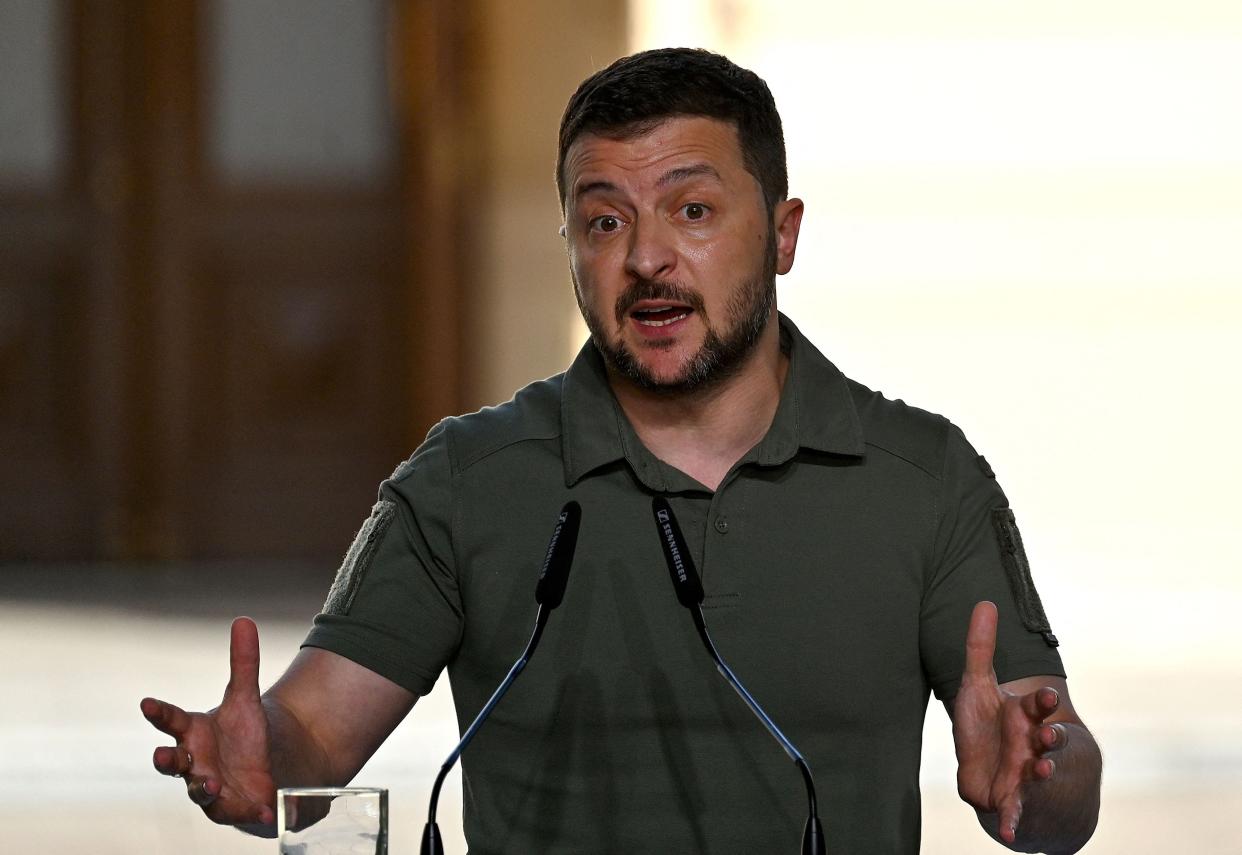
{"x":216,"y":330}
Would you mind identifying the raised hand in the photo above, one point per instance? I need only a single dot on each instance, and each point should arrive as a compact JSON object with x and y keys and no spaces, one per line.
{"x":1002,"y":739}
{"x":224,"y":755}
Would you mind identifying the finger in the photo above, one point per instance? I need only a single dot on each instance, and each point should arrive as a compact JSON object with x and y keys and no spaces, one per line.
{"x":254,"y":812}
{"x":1041,"y":703}
{"x":1043,"y":769}
{"x":176,"y":762}
{"x":202,"y":791}
{"x":1048,"y":699}
{"x":1009,"y":814}
{"x":981,"y":641}
{"x":1053,"y":737}
{"x":263,"y":815}
{"x":169,"y":718}
{"x":243,"y":660}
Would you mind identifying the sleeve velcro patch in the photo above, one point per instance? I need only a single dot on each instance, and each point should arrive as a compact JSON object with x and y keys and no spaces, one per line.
{"x":358,"y":558}
{"x":1018,"y":571}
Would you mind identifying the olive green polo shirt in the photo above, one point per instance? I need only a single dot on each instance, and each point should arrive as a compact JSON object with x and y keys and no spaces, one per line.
{"x":840,"y":557}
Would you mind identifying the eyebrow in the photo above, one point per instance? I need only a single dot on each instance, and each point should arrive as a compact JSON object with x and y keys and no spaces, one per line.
{"x":673,"y":176}
{"x":683,"y":173}
{"x":594,"y":186}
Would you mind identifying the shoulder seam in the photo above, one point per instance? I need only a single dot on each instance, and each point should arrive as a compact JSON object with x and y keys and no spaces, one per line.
{"x":917,"y":465}
{"x":938,"y":507}
{"x":488,"y":452}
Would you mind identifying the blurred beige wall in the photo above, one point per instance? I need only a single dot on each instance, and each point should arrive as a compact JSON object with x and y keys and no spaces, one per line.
{"x":521,"y":310}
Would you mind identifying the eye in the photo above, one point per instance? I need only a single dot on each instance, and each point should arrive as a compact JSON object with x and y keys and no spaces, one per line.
{"x":694,"y":211}
{"x":606,"y":223}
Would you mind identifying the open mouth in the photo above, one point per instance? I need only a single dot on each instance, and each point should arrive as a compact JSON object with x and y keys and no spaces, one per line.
{"x":660,"y":316}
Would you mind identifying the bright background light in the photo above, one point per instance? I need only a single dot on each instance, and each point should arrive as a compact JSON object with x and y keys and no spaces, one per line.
{"x":1028,"y":217}
{"x":1024,"y":215}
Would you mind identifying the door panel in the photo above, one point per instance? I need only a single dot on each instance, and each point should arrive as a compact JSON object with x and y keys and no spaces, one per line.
{"x":206,"y":301}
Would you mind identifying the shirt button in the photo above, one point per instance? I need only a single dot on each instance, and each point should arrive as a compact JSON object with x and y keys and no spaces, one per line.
{"x":722,"y":524}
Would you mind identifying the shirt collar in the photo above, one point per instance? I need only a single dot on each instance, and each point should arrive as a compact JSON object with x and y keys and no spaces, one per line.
{"x":816,"y":412}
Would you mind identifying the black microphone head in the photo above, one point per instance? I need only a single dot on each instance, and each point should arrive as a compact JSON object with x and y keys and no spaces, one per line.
{"x":676,"y":555}
{"x":550,"y":589}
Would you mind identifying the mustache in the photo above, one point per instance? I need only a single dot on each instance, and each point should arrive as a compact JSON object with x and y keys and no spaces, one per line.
{"x":655,"y":289}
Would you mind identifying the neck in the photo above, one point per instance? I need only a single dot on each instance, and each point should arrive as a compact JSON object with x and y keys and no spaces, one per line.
{"x":705,"y":432}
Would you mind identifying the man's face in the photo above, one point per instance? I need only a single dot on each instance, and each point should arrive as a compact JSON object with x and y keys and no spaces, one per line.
{"x":672,"y":252}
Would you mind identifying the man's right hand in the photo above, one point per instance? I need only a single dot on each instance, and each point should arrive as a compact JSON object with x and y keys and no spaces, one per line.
{"x":224,"y":755}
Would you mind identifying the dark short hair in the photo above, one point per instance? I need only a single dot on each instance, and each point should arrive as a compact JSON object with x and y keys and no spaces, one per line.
{"x":635,"y":93}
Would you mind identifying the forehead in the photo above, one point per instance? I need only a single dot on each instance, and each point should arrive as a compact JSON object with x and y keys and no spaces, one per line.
{"x":676,"y":142}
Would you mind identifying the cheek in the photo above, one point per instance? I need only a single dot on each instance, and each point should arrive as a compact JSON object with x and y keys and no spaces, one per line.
{"x":717,"y":257}
{"x":586,"y":286}
{"x":578,"y":268}
{"x":707,"y":250}
{"x":590,"y":267}
{"x":731,"y":248}
{"x":699,"y":253}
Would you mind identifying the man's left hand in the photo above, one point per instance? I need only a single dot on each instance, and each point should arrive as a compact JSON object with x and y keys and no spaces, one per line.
{"x":1003,"y":740}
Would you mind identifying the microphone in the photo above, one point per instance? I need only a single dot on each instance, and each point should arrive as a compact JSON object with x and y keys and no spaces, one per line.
{"x":549,"y":591}
{"x":690,"y":594}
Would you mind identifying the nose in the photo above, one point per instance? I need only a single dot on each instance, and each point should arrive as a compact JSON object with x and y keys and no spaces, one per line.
{"x":652,"y":254}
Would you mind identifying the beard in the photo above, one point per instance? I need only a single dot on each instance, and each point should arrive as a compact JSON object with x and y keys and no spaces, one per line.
{"x":723,"y":352}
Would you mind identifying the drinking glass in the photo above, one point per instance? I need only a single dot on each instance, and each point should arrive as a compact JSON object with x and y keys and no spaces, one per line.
{"x":332,"y":820}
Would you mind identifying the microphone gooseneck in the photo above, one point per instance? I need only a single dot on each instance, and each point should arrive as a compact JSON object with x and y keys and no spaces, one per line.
{"x":549,"y":591}
{"x":690,"y":594}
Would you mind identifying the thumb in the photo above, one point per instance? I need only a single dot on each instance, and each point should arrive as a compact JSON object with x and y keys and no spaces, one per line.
{"x":243,"y":660}
{"x":981,"y":641}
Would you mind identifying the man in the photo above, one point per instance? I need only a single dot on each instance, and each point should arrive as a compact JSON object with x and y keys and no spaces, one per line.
{"x":856,"y":553}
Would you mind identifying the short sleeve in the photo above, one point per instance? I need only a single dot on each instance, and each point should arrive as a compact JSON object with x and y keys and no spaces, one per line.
{"x":975,"y":557}
{"x":395,"y":605}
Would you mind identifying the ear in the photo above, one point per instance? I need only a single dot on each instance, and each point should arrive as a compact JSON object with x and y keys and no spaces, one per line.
{"x":787,"y":219}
